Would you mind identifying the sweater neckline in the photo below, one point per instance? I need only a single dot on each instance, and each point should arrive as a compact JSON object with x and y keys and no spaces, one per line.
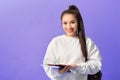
{"x":70,"y":37}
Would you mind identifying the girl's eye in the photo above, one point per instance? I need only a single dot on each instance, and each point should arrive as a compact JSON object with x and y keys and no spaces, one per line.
{"x":64,"y":23}
{"x":72,"y":22}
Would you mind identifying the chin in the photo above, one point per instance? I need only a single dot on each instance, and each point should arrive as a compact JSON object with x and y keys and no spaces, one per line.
{"x":70,"y":34}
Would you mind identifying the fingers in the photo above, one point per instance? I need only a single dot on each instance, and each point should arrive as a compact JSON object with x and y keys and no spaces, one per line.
{"x":73,"y":66}
{"x":65,"y":69}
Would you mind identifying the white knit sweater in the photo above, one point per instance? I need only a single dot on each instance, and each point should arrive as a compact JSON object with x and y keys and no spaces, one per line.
{"x":66,"y":50}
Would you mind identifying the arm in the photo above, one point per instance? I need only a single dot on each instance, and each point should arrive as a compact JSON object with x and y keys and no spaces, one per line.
{"x":94,"y":63}
{"x":49,"y":58}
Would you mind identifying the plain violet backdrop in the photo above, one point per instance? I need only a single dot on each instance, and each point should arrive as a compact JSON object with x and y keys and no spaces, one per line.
{"x":27,"y":26}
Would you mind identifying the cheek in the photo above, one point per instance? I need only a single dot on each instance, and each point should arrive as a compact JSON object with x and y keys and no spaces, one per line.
{"x":64,"y":27}
{"x":75,"y":26}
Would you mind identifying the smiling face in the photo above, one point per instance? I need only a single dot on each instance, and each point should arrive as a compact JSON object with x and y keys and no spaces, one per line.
{"x":69,"y":23}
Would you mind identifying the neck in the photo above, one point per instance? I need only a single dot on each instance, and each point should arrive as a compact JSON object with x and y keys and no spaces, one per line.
{"x":71,"y":35}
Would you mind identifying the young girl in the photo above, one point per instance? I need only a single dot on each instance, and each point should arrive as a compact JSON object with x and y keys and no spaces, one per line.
{"x":66,"y":54}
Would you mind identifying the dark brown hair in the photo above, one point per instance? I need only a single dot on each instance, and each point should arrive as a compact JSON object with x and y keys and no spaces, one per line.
{"x":80,"y":29}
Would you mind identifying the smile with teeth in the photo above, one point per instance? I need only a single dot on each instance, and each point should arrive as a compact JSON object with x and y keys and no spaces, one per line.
{"x":70,"y":30}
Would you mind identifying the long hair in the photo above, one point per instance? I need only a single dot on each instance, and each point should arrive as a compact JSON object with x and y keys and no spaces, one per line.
{"x":80,"y":29}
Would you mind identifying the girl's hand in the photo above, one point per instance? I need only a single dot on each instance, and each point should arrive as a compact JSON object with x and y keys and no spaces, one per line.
{"x":73,"y":66}
{"x":65,"y":69}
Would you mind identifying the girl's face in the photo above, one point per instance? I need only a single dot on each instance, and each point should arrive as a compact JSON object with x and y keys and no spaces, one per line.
{"x":69,"y":23}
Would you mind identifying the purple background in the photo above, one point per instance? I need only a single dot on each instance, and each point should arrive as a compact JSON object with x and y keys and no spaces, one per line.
{"x":27,"y":26}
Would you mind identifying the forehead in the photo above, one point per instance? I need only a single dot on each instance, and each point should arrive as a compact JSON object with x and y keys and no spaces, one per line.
{"x":68,"y":17}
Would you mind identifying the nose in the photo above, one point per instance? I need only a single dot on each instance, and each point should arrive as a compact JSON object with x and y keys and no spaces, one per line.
{"x":69,"y":25}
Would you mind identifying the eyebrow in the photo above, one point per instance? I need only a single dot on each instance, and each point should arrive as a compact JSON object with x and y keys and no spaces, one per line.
{"x":73,"y":20}
{"x":70,"y":21}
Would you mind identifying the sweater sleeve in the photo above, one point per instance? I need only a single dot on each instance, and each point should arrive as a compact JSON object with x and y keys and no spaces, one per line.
{"x":94,"y":62}
{"x":49,"y":58}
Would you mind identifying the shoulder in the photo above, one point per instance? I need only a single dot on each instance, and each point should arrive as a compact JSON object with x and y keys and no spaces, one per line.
{"x":89,"y":41}
{"x":56,"y":39}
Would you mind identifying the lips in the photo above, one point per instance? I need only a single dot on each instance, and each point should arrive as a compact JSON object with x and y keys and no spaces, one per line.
{"x":70,"y":30}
